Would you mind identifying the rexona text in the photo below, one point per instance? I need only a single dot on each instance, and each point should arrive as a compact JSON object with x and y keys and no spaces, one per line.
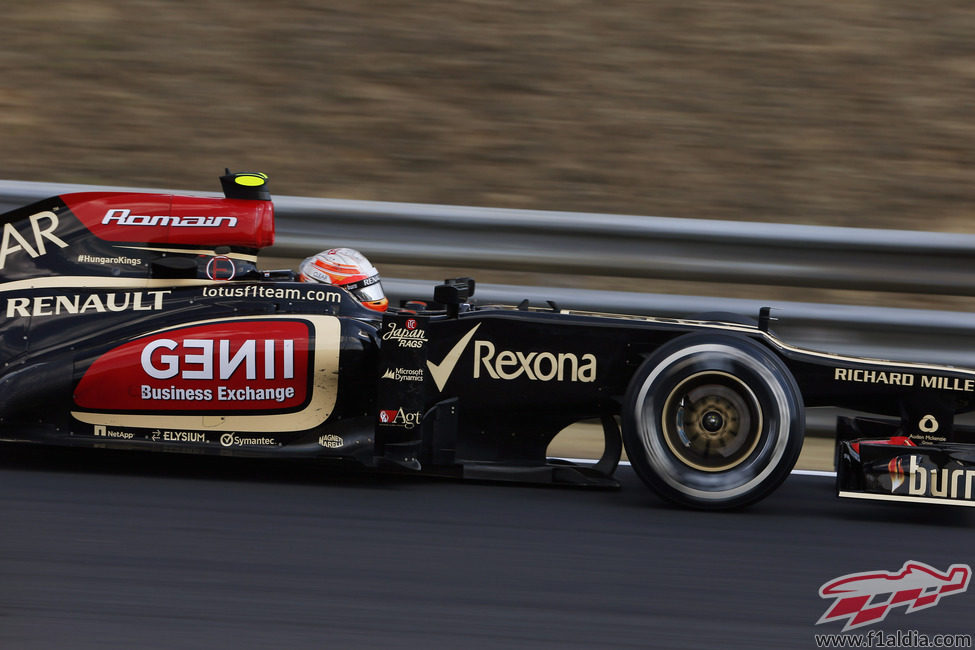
{"x":535,"y":366}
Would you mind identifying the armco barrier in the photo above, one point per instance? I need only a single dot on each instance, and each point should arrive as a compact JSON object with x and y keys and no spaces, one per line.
{"x":713,"y":251}
{"x":616,"y":245}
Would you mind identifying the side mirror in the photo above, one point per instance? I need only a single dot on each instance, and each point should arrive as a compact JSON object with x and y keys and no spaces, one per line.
{"x":453,"y":293}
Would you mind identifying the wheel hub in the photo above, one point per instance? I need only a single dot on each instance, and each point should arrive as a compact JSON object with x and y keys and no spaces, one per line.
{"x":712,"y":421}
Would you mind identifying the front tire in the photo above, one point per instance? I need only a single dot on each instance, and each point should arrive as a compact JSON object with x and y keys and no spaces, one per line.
{"x":713,"y":421}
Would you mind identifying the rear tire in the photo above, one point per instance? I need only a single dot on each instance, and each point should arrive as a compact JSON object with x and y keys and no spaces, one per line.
{"x":713,"y":421}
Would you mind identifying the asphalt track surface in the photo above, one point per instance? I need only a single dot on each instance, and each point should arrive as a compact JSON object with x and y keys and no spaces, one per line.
{"x":122,"y":550}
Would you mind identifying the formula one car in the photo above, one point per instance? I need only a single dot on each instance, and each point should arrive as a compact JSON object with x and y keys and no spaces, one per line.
{"x":142,"y":321}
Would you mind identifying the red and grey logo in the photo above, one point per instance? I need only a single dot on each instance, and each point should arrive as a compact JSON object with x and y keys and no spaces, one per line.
{"x":221,"y":267}
{"x":895,"y":469}
{"x":249,"y":365}
{"x":400,"y":417}
{"x":866,"y":598}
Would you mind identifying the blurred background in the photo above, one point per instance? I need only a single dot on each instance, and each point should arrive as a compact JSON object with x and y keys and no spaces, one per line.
{"x":837,"y":113}
{"x":853,"y":113}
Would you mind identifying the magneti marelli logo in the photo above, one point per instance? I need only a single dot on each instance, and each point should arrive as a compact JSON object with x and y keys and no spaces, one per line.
{"x":866,"y":598}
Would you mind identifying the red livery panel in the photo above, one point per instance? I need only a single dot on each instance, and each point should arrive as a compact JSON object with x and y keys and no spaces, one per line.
{"x":169,"y":219}
{"x":237,"y":366}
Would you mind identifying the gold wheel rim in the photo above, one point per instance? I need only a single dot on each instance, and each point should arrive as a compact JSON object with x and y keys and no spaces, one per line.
{"x":711,"y":421}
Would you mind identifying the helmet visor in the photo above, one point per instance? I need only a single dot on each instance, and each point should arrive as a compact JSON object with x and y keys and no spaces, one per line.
{"x":370,"y":293}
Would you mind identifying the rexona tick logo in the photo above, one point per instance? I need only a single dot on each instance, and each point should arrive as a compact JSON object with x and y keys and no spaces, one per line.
{"x":508,"y":365}
{"x":866,"y":598}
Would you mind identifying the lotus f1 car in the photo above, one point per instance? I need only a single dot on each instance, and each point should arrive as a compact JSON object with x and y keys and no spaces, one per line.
{"x":142,"y":321}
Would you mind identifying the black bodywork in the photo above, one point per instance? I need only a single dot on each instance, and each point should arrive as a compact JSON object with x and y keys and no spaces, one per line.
{"x":177,"y":342}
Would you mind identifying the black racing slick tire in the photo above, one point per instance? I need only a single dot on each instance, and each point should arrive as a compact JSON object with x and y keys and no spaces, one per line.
{"x":713,"y":421}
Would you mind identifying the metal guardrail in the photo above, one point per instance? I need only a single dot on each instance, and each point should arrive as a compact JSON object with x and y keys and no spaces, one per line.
{"x":616,"y":245}
{"x":653,"y":247}
{"x":714,"y":251}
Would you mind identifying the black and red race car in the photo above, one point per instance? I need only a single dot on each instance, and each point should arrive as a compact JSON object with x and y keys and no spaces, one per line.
{"x":142,"y":321}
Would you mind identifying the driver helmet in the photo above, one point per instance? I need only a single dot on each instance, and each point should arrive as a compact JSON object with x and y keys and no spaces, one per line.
{"x":349,"y":269}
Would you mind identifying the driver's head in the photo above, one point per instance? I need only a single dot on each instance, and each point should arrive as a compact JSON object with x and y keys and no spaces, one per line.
{"x":349,"y":269}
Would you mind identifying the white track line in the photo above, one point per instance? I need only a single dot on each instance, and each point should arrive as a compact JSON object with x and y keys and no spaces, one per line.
{"x":797,"y":472}
{"x":814,"y":472}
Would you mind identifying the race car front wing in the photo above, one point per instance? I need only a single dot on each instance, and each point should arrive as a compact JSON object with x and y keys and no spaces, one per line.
{"x":896,"y":468}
